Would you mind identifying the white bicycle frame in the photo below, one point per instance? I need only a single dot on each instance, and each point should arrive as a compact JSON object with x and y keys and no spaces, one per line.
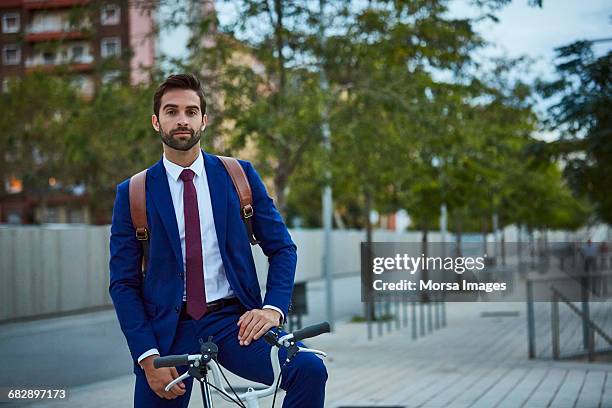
{"x":251,"y":397}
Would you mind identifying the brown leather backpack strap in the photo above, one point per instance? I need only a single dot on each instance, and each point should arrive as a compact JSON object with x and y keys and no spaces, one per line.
{"x":138,"y":210}
{"x":243,"y":188}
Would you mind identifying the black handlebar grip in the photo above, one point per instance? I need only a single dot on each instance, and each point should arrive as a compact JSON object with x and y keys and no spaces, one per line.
{"x":311,"y":331}
{"x":171,"y":361}
{"x":270,"y":338}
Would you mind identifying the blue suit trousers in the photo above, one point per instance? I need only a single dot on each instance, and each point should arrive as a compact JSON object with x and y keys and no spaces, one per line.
{"x":303,"y":378}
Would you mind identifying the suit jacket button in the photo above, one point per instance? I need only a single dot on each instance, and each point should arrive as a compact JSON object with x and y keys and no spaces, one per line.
{"x":177,"y":309}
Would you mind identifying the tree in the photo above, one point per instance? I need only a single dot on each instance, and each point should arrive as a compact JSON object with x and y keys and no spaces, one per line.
{"x":109,"y":139}
{"x":268,"y":96}
{"x":53,"y":132}
{"x":580,"y":113}
{"x":31,"y":130}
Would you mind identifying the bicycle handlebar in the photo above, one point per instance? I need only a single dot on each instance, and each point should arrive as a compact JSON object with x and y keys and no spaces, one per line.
{"x":311,"y":331}
{"x":171,"y":361}
{"x":183,"y":359}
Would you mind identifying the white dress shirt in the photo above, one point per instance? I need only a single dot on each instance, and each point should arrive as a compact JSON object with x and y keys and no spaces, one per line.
{"x":216,"y":284}
{"x":215,"y":279}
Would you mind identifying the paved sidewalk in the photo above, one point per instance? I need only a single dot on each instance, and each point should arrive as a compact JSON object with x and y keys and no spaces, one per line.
{"x":474,"y":362}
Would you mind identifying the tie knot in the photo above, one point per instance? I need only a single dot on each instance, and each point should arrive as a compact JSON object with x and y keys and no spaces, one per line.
{"x":187,"y":175}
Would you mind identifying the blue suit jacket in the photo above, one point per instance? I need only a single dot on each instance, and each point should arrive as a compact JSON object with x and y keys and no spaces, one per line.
{"x":148,"y":309}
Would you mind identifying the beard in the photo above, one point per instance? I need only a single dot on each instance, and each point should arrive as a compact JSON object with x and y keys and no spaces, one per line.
{"x":177,"y":144}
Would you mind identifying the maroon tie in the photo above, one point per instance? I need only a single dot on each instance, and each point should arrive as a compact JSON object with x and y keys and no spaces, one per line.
{"x":196,"y":292}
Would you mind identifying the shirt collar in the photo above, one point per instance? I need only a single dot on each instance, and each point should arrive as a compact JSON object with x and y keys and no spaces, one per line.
{"x":174,"y":170}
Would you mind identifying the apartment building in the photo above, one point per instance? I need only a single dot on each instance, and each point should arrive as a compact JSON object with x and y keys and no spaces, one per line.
{"x":94,"y":41}
{"x":90,"y":41}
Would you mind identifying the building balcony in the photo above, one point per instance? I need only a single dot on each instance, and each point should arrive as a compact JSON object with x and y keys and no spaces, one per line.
{"x":41,"y":60}
{"x":51,"y":4}
{"x":11,"y":4}
{"x":82,"y":64}
{"x":56,"y":35}
{"x":69,"y":67}
{"x":56,"y":26}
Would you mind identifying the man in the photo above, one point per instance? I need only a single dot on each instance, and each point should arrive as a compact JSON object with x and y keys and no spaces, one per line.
{"x":589,"y":252}
{"x":200,"y":279}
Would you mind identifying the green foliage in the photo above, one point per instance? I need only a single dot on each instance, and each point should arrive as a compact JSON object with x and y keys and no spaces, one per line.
{"x":267,"y":102}
{"x":51,"y":131}
{"x":581,"y":114}
{"x":402,"y":137}
{"x":32,"y":127}
{"x":109,"y":139}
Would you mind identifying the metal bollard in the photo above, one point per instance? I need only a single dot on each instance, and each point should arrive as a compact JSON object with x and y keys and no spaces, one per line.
{"x":422,"y":318}
{"x":414,"y":321}
{"x":429,"y":317}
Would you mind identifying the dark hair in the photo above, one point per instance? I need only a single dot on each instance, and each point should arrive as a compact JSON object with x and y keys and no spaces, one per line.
{"x":179,"y":81}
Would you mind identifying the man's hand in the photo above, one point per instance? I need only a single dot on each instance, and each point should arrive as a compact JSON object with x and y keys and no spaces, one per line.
{"x":158,"y":378}
{"x":255,"y":323}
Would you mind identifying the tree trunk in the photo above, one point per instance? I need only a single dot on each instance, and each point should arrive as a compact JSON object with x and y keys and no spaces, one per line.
{"x":279,"y":39}
{"x":545,"y":247}
{"x":458,"y":238}
{"x":280,"y":185}
{"x":458,"y":232}
{"x":520,"y":246}
{"x":368,"y":209}
{"x":532,"y":250}
{"x":368,"y":307}
{"x":484,"y":236}
{"x":503,"y":246}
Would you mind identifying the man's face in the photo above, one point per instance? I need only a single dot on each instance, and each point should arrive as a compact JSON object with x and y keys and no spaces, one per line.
{"x":180,"y":123}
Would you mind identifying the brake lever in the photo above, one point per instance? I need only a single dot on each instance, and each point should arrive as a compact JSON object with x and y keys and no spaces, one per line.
{"x":313,"y":351}
{"x":176,"y":381}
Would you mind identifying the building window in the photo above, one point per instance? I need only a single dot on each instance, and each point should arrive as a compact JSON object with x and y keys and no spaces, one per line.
{"x":13,"y":217}
{"x":77,"y":52}
{"x":76,"y":216}
{"x":111,"y":77}
{"x":110,"y":15}
{"x":110,"y":47}
{"x":6,"y":84}
{"x":51,"y":215}
{"x":14,"y":185}
{"x":45,"y":21}
{"x":48,"y":58}
{"x":11,"y":54}
{"x":84,"y":84}
{"x":10,"y":23}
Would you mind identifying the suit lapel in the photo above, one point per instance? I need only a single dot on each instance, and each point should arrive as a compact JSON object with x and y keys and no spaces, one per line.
{"x":162,"y":200}
{"x":218,"y":187}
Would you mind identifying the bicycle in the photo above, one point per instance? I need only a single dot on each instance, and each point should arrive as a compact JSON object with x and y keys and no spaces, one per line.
{"x":201,"y":364}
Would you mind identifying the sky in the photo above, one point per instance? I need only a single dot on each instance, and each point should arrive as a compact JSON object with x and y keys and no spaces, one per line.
{"x":535,"y":32}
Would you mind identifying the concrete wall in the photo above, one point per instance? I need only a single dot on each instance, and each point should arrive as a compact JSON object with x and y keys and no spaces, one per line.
{"x":52,"y":269}
{"x":62,"y":268}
